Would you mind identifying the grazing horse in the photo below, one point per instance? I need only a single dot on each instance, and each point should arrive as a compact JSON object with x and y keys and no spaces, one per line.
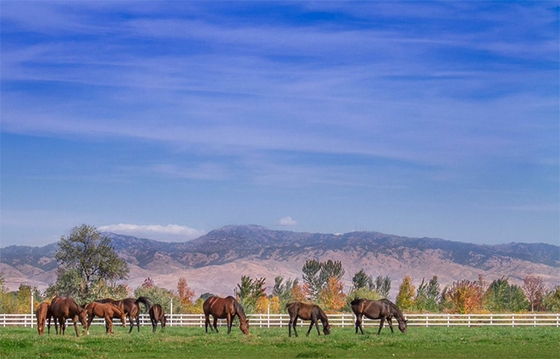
{"x":224,"y":308}
{"x":377,"y":309}
{"x":63,"y":308}
{"x":307,"y":312}
{"x":130,"y":307}
{"x":107,"y":311}
{"x":42,"y":313}
{"x":157,"y":315}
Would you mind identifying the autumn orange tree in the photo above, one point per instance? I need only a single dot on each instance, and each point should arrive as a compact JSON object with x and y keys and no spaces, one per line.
{"x":186,"y":294}
{"x":332,"y":297}
{"x":464,"y":296}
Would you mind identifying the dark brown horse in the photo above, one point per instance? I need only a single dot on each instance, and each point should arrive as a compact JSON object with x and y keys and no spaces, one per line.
{"x":306,"y":311}
{"x":382,"y":309}
{"x":130,"y":307}
{"x":157,"y":315}
{"x":107,"y":311}
{"x":42,"y":313}
{"x":63,"y":308}
{"x":224,"y":308}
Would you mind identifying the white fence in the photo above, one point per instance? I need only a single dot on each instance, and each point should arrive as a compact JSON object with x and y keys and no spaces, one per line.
{"x":343,"y":320}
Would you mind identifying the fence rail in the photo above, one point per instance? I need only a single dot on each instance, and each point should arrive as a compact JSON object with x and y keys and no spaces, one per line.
{"x":338,"y":320}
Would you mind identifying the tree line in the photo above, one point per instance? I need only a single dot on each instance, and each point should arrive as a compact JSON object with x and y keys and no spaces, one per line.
{"x":89,"y":269}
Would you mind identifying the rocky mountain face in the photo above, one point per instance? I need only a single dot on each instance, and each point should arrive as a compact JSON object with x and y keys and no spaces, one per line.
{"x":216,"y":261}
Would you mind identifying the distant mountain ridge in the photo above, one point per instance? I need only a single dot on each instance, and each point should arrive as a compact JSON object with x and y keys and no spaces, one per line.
{"x":265,"y":252}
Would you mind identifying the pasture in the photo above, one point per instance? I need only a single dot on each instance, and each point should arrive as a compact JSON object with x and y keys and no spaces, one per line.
{"x":189,"y":342}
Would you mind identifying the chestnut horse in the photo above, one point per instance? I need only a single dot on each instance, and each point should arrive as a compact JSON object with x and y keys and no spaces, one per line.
{"x":130,"y":307}
{"x":42,"y":313}
{"x":157,"y":315}
{"x":224,"y":308}
{"x":307,"y":312}
{"x":107,"y":311}
{"x":63,"y":308}
{"x":382,"y":309}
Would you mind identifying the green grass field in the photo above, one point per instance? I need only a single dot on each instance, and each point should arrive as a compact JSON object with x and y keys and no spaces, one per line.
{"x":176,"y":342}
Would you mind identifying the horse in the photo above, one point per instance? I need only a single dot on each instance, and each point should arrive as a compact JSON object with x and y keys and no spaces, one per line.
{"x":307,"y":312}
{"x":42,"y":313}
{"x":130,"y":307}
{"x":157,"y":314}
{"x":224,"y":308}
{"x":107,"y":311}
{"x":63,"y":308}
{"x":382,"y":309}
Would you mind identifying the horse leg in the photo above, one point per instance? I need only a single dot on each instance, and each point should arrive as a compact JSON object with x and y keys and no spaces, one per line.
{"x":295,"y":325}
{"x":215,"y":324}
{"x":390,"y":324}
{"x":381,"y":325}
{"x":154,"y":325}
{"x":229,"y":321}
{"x":131,"y":321}
{"x":76,"y":326}
{"x":359,"y":324}
{"x":207,"y":322}
{"x":138,"y":321}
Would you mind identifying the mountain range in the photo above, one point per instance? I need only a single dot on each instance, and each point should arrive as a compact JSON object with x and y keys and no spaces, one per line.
{"x":216,"y":261}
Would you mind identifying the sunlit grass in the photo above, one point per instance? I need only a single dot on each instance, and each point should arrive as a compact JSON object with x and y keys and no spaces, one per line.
{"x":176,"y":342}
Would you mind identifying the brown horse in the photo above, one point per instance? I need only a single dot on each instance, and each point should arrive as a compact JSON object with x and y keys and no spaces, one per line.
{"x":307,"y":312}
{"x":224,"y":308}
{"x":377,"y":309}
{"x":157,"y":314}
{"x":63,"y":308}
{"x":107,"y":311}
{"x":42,"y":313}
{"x":130,"y":307}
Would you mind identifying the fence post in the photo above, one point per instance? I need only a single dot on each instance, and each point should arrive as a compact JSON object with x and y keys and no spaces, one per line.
{"x":513,"y":320}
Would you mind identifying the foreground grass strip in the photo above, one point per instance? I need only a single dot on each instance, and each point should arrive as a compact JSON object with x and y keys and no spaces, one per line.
{"x":176,"y":342}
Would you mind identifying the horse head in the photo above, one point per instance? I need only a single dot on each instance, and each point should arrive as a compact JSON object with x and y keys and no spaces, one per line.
{"x":402,"y":325}
{"x":163,"y":321}
{"x":327,"y":329}
{"x":83,"y":316}
{"x":244,"y":326}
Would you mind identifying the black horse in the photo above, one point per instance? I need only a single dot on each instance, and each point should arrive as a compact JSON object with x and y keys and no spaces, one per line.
{"x":307,"y":312}
{"x":382,"y":309}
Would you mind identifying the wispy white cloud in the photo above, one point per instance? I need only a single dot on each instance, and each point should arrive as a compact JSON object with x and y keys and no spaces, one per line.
{"x":168,"y":233}
{"x":287,"y":222}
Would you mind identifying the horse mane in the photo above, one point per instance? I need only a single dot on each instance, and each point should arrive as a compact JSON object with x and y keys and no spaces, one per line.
{"x":393,"y":306}
{"x":238,"y":309}
{"x":357,"y":301}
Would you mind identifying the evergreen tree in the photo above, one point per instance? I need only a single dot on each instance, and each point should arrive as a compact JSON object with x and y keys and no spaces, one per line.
{"x":504,"y":297}
{"x":362,"y":280}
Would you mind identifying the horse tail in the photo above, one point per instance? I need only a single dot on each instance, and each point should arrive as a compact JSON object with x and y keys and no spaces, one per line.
{"x":288,"y":305}
{"x":145,"y":301}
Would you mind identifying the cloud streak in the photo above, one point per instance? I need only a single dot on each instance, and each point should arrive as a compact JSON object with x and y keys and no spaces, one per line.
{"x":168,"y":233}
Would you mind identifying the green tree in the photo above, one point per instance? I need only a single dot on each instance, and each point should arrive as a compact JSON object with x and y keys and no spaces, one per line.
{"x":87,"y":262}
{"x":362,"y":280}
{"x":427,"y":295}
{"x":284,"y":290}
{"x":312,"y":276}
{"x":551,"y":300}
{"x":316,"y":275}
{"x":383,"y":286}
{"x":249,"y":291}
{"x":161,"y":296}
{"x":504,"y":297}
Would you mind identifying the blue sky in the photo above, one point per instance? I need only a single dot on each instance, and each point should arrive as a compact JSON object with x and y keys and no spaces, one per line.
{"x":169,"y":119}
